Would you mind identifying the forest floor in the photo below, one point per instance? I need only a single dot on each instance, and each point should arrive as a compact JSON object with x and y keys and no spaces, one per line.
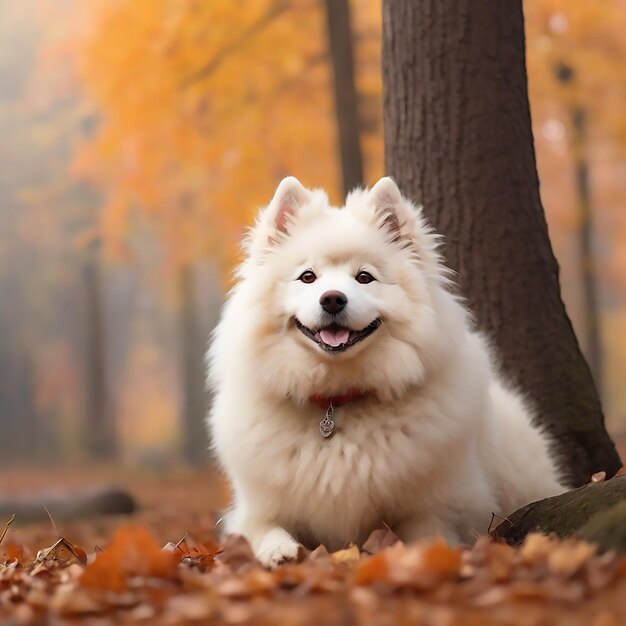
{"x":115,"y":570}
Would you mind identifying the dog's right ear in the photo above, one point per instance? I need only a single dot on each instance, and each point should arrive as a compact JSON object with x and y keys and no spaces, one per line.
{"x":290,"y":196}
{"x":275,"y":220}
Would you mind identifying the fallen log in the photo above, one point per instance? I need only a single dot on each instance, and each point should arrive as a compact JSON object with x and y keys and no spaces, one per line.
{"x":67,"y":505}
{"x":596,"y":511}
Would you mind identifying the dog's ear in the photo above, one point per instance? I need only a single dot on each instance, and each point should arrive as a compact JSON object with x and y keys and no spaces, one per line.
{"x":290,"y":196}
{"x":275,"y":220}
{"x":389,"y":206}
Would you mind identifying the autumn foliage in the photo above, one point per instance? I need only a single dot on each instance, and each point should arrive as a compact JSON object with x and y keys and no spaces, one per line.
{"x":133,"y":579}
{"x":132,"y":553}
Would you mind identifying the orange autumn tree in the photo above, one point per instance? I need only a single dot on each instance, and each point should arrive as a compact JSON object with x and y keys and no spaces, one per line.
{"x":576,"y":56}
{"x":197,"y":110}
{"x":200,"y":108}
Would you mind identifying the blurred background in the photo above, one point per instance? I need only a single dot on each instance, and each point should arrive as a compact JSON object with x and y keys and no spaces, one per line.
{"x":137,"y":139}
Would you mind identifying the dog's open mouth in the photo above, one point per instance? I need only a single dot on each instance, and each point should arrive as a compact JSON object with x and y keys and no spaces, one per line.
{"x":336,"y":338}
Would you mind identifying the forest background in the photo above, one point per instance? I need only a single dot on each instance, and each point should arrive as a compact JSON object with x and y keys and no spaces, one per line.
{"x":137,"y":140}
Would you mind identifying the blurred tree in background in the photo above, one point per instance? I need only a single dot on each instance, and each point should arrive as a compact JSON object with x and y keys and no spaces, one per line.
{"x":140,"y":137}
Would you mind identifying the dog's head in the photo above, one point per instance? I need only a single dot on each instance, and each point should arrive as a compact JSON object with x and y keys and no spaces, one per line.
{"x":342,"y":298}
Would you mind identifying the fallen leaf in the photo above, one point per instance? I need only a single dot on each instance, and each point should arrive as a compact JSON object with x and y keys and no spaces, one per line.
{"x":196,"y":554}
{"x":349,"y":554}
{"x":133,"y":552}
{"x":254,"y":582}
{"x":14,"y":551}
{"x":62,"y":552}
{"x":379,"y":539}
{"x":320,"y":554}
{"x":237,"y":554}
{"x":441,"y":558}
{"x":536,"y":547}
{"x":422,"y":565}
{"x":372,"y":569}
{"x":569,"y":557}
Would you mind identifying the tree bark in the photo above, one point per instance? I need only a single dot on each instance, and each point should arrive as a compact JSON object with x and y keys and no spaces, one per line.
{"x":458,"y":139}
{"x":341,"y":41}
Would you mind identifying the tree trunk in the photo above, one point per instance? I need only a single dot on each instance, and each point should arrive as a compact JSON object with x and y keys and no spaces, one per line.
{"x":100,"y":436}
{"x":346,"y":101}
{"x":458,"y":138}
{"x":195,"y":439}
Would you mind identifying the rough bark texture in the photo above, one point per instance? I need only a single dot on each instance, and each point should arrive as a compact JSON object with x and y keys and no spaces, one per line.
{"x":346,"y":103}
{"x":458,"y":139}
{"x":595,"y":511}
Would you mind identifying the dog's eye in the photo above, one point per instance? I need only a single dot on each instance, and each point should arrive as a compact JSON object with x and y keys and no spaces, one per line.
{"x":364,"y":278}
{"x":308,"y":277}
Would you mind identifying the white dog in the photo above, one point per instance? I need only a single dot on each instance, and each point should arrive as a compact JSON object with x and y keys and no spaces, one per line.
{"x":351,"y":391}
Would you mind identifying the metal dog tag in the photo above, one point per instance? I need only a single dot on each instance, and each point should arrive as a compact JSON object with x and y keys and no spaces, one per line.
{"x":327,"y":425}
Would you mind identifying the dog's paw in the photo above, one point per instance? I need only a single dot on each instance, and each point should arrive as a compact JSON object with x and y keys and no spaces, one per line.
{"x":277,"y":547}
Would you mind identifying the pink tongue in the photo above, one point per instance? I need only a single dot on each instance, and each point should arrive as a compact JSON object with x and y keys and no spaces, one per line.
{"x":334,"y":338}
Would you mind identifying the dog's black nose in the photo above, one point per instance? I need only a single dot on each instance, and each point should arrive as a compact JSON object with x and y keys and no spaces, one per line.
{"x":333,"y":301}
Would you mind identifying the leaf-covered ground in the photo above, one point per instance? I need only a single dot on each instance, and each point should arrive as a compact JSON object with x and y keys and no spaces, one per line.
{"x":165,"y":566}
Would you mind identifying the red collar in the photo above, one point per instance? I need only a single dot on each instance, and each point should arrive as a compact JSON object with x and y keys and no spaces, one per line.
{"x":325,"y":401}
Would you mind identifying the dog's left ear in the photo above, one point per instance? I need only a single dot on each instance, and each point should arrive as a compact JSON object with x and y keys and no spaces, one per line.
{"x":290,"y":196}
{"x":389,"y":206}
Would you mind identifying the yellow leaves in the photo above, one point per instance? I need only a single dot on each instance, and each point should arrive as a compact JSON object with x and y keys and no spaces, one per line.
{"x":349,"y":554}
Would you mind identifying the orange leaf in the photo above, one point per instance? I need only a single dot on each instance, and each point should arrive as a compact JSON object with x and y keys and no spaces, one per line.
{"x":133,"y":552}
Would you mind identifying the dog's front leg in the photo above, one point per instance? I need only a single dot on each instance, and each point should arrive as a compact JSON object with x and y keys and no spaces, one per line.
{"x":271,"y":543}
{"x":276,"y":546}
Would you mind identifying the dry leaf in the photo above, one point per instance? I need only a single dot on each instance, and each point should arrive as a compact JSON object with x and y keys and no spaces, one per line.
{"x":62,"y":552}
{"x":237,"y":554}
{"x":379,"y":539}
{"x":569,"y":557}
{"x":133,"y":552}
{"x":422,"y":565}
{"x":320,"y":554}
{"x":14,"y":551}
{"x":349,"y":554}
{"x":536,"y":547}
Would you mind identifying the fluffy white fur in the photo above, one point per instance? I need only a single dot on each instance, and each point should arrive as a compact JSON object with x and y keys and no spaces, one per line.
{"x":438,"y":443}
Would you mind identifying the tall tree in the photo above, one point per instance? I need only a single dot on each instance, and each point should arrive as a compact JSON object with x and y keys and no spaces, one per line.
{"x":341,"y":44}
{"x":458,"y":138}
{"x":100,"y":439}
